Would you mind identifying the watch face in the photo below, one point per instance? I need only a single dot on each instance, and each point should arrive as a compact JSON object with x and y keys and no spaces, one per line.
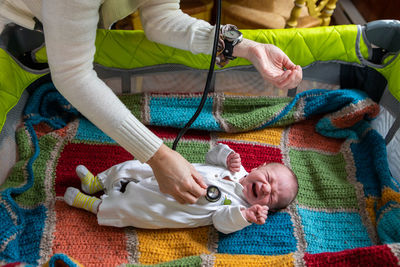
{"x":232,"y":34}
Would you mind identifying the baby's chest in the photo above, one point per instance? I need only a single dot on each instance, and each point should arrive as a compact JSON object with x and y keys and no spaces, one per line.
{"x":218,"y":174}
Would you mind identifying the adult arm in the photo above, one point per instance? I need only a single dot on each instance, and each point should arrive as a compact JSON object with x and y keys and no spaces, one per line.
{"x":70,"y":33}
{"x":161,"y":18}
{"x":164,"y":22}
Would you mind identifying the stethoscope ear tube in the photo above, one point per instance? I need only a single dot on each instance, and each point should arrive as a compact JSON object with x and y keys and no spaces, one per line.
{"x":209,"y":78}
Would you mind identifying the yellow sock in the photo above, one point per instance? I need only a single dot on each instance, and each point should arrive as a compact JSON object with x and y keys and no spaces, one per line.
{"x":79,"y":200}
{"x":90,"y":184}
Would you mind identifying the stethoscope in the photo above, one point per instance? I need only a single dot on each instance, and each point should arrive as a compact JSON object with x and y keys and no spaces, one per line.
{"x":209,"y":78}
{"x":213,"y":193}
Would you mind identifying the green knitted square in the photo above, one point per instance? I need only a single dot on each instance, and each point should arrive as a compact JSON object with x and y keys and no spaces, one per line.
{"x":191,"y":261}
{"x":133,"y":103}
{"x":323,"y":180}
{"x":193,"y":151}
{"x":245,"y":113}
{"x":17,"y":176}
{"x":37,"y":193}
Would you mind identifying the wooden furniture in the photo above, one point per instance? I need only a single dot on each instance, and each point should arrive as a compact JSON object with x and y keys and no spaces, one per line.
{"x":254,"y":14}
{"x":276,"y":14}
{"x":321,"y":10}
{"x":377,"y":9}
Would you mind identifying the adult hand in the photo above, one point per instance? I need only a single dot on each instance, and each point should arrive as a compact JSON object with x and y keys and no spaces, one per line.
{"x":176,"y":176}
{"x":271,"y":62}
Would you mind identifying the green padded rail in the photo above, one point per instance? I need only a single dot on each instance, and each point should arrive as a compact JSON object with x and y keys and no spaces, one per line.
{"x":131,"y":49}
{"x":13,"y":81}
{"x":391,"y":73}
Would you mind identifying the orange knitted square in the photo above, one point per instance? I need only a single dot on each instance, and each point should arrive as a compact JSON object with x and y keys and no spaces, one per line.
{"x":78,"y":235}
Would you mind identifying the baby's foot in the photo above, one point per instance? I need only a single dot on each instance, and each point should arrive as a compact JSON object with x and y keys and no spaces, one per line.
{"x":90,"y":184}
{"x":79,"y":200}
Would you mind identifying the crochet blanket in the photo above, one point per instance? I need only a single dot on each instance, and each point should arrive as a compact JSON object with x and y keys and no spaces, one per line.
{"x":346,"y":212}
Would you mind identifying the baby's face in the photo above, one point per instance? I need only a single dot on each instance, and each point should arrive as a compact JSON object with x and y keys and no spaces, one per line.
{"x":272,"y":185}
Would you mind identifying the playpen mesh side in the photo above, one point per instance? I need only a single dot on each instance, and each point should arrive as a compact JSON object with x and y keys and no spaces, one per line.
{"x":175,"y":79}
{"x":241,"y":77}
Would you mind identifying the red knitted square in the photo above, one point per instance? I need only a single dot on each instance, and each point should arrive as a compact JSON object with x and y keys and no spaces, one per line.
{"x":367,"y":256}
{"x":95,"y":157}
{"x":254,"y":155}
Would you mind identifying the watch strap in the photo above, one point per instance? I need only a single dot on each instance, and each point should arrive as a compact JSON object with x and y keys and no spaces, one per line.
{"x":228,"y":50}
{"x":222,"y":58}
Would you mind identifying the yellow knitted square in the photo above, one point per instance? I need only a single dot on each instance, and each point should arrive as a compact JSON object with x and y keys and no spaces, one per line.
{"x":389,"y":194}
{"x":271,"y":136}
{"x":253,"y":260}
{"x":370,"y":207}
{"x":156,"y":246}
{"x":373,"y":203}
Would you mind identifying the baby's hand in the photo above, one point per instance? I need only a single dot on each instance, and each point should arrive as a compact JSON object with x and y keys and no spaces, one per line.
{"x":256,"y":214}
{"x":233,"y":162}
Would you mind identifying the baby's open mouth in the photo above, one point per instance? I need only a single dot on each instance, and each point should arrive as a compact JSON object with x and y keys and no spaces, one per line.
{"x":254,"y":190}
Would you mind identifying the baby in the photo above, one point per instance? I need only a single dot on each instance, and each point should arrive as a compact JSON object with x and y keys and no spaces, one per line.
{"x":235,"y":199}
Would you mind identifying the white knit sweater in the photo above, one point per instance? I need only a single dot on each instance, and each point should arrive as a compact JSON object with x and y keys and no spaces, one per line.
{"x":70,"y":32}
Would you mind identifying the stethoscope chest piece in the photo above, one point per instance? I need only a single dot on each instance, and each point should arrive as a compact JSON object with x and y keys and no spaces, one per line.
{"x":213,"y":193}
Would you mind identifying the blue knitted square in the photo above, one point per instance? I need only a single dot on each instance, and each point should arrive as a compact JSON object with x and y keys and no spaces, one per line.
{"x":275,"y":237}
{"x":26,"y":247}
{"x":176,"y":112}
{"x":87,"y":131}
{"x":333,"y":231}
{"x":372,"y":179}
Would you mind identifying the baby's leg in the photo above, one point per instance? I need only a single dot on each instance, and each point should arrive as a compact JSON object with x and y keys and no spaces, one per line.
{"x":90,"y":183}
{"x":131,"y":170}
{"x":79,"y":200}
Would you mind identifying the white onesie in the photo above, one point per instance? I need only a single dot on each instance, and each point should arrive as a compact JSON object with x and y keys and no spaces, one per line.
{"x":143,"y":205}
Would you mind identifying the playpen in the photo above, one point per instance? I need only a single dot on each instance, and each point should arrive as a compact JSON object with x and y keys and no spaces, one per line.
{"x":338,"y":131}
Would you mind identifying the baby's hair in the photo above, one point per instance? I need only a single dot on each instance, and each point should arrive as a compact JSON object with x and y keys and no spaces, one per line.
{"x":296,"y":180}
{"x":296,"y":183}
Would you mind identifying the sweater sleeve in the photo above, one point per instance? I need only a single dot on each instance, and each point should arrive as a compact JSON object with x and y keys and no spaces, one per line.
{"x":70,"y":33}
{"x":164,"y":22}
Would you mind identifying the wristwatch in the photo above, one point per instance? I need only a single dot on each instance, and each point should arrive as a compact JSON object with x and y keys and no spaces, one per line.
{"x":231,"y":37}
